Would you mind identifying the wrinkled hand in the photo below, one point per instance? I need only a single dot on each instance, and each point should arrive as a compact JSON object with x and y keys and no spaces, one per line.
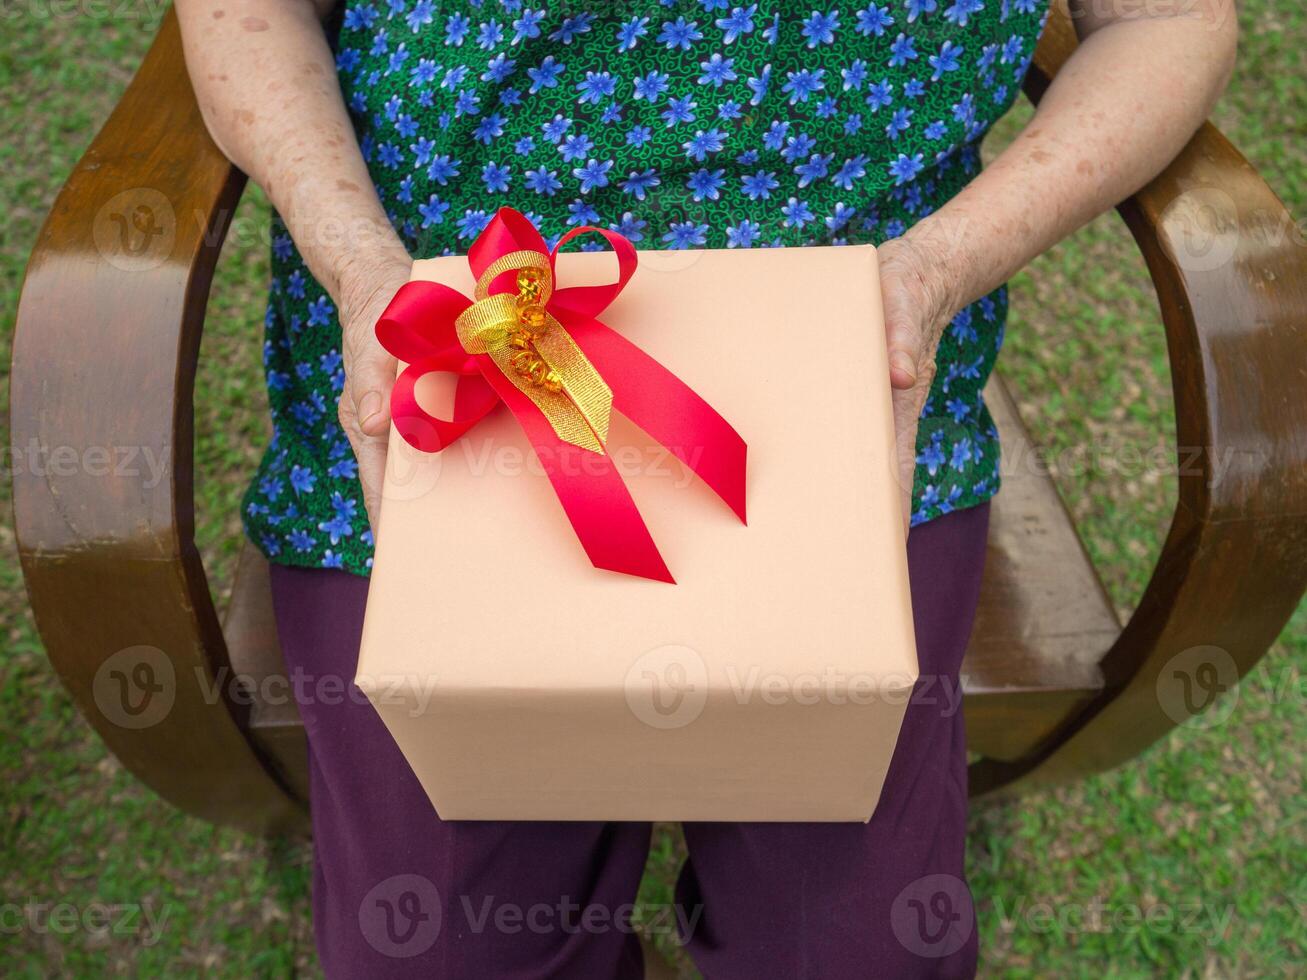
{"x":918,"y":299}
{"x":364,"y":409}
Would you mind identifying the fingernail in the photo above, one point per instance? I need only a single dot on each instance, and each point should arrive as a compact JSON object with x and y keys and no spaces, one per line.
{"x":903,"y":362}
{"x":369,"y":405}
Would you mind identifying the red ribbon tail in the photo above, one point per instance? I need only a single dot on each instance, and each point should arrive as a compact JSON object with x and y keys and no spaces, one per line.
{"x":592,"y":492}
{"x":669,"y":410}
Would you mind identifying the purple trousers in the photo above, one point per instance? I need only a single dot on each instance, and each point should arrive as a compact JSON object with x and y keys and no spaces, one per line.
{"x":398,"y":892}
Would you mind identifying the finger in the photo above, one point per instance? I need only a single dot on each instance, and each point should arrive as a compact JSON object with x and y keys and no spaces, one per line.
{"x":903,"y":340}
{"x":907,"y":407}
{"x":371,"y":455}
{"x":371,"y":375}
{"x":369,"y":452}
{"x":906,"y":414}
{"x":905,"y":298}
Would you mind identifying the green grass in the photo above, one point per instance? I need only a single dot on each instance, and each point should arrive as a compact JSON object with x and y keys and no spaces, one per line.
{"x":1208,"y":825}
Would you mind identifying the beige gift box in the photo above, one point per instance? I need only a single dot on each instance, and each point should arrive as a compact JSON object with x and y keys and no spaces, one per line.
{"x":770,"y":682}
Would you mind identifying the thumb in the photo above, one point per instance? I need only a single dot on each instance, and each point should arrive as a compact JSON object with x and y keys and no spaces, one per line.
{"x":371,"y":377}
{"x":901,"y":289}
{"x":903,"y":338}
{"x":916,"y":296}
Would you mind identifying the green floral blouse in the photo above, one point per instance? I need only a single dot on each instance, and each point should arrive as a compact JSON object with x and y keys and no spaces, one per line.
{"x":680,"y":123}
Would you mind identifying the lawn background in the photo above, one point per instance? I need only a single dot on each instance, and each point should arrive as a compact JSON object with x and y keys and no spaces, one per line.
{"x":1210,"y":823}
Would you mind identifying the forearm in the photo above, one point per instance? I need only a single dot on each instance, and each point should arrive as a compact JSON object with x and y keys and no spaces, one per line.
{"x":266,"y":84}
{"x":1119,"y":111}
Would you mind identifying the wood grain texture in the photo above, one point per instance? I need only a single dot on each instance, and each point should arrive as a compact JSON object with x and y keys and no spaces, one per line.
{"x":1231,"y":280}
{"x":104,"y":361}
{"x":1044,"y":619}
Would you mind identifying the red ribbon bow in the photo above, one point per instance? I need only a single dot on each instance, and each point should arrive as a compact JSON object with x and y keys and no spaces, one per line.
{"x":420,"y":327}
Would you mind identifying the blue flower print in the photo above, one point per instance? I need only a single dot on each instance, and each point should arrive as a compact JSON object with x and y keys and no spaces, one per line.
{"x":852,"y":170}
{"x":527,"y":26}
{"x":593,"y":175}
{"x":495,"y":177}
{"x":899,"y":122}
{"x":595,"y":87}
{"x":739,"y":23}
{"x":685,"y":234}
{"x":651,"y":86}
{"x":820,"y":28}
{"x":575,"y":147}
{"x":638,"y":183}
{"x":905,"y":168}
{"x":797,"y":213}
{"x":679,"y":111}
{"x":717,"y":71}
{"x":545,"y":76}
{"x":629,"y":34}
{"x":572,"y":28}
{"x":742,"y":235}
{"x":704,"y":143}
{"x":630,"y":227}
{"x":962,"y":10}
{"x":759,"y":185}
{"x":873,"y":21}
{"x":902,"y":51}
{"x":800,"y":85}
{"x":680,"y":34}
{"x":433,"y":212}
{"x":918,"y":8}
{"x":680,"y":124}
{"x":320,"y":312}
{"x":705,"y":185}
{"x":947,"y":59}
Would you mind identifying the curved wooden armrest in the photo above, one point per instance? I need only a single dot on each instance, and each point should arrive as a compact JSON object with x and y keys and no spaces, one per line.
{"x":1231,"y":277}
{"x":104,"y":362}
{"x":104,"y":365}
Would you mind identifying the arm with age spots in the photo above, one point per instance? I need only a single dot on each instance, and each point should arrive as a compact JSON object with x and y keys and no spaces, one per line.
{"x":1143,"y":79}
{"x":266,"y":84}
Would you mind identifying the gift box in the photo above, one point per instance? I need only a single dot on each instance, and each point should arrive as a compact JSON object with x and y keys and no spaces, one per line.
{"x":766,"y":676}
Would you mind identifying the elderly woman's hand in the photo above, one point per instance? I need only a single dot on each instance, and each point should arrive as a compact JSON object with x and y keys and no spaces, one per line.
{"x":917,"y":290}
{"x":369,"y":371}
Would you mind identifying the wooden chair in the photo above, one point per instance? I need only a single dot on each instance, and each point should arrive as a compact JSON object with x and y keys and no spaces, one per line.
{"x":105,"y":355}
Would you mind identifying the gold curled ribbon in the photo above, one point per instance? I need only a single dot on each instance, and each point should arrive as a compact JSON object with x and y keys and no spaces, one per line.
{"x":535,"y":352}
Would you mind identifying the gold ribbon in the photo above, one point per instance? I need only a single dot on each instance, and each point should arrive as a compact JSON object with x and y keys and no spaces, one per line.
{"x":534,"y":351}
